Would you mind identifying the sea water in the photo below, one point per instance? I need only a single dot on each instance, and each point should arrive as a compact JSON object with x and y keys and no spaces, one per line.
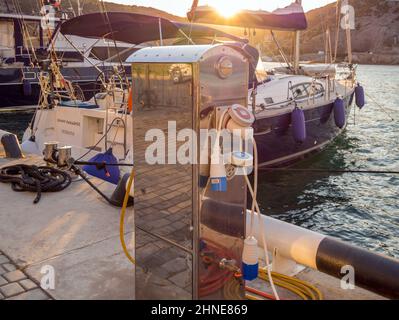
{"x":362,"y":209}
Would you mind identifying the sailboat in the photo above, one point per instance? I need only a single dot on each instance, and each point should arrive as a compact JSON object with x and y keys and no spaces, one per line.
{"x":25,"y":42}
{"x":302,"y":110}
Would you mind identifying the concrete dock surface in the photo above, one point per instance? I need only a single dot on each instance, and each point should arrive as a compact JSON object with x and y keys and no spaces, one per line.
{"x":76,"y":233}
{"x":329,"y":286}
{"x":73,"y":231}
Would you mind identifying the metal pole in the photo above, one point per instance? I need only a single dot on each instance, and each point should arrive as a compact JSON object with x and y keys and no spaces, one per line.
{"x":348,"y":38}
{"x":297,"y":51}
{"x":79,"y":8}
{"x":338,"y":15}
{"x":160,"y":31}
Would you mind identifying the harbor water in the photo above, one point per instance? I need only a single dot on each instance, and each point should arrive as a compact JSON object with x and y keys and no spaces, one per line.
{"x":362,"y":209}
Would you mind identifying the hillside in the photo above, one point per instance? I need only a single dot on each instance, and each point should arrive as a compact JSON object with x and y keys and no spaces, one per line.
{"x":375,"y":39}
{"x":32,"y":7}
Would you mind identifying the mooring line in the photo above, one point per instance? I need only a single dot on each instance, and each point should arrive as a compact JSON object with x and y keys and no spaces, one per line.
{"x":380,"y":106}
{"x":330,"y":171}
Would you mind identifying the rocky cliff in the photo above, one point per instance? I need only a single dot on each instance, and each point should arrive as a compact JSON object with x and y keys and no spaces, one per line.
{"x":88,"y":6}
{"x":375,"y":38}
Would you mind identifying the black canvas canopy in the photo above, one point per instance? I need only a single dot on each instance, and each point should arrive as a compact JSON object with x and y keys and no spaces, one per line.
{"x":290,"y":18}
{"x":136,"y":28}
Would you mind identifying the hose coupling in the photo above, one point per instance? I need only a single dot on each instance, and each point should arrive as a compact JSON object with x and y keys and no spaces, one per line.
{"x":230,"y":265}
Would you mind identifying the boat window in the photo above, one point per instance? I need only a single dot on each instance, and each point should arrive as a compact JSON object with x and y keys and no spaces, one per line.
{"x":316,"y":89}
{"x":29,"y":75}
{"x":305,"y":90}
{"x":269,"y":100}
{"x":299,"y":91}
{"x":105,"y":53}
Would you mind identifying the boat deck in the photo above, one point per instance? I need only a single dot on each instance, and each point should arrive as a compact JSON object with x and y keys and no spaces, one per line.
{"x":77,"y":233}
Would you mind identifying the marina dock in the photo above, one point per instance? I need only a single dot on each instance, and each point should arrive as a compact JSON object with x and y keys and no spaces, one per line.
{"x":176,"y":165}
{"x":76,"y":233}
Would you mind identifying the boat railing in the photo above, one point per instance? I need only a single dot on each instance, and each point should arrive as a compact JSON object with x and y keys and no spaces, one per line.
{"x":289,"y":90}
{"x":120,"y":109}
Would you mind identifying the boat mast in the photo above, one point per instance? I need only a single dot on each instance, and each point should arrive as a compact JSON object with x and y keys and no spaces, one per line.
{"x":349,"y":44}
{"x":348,"y":33}
{"x":328,"y":58}
{"x":337,"y":17}
{"x":79,"y":8}
{"x":297,"y":49}
{"x":160,"y":31}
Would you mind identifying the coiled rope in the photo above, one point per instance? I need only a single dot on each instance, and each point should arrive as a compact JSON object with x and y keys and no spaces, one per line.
{"x":32,"y":178}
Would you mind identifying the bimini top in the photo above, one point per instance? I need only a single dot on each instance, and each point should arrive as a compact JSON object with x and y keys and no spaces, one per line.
{"x":290,"y":18}
{"x":136,"y":28}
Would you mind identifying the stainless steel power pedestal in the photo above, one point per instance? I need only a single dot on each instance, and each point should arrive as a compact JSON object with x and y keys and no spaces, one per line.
{"x":189,"y":235}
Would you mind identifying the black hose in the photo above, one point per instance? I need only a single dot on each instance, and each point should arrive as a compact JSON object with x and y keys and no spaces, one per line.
{"x":35,"y":179}
{"x":81,"y":174}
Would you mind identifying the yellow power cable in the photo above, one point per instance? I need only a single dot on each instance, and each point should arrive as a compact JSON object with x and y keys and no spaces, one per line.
{"x":287,"y":286}
{"x":309,"y":286}
{"x":252,"y":297}
{"x":122,"y":220}
{"x":313,"y":291}
{"x":299,"y":287}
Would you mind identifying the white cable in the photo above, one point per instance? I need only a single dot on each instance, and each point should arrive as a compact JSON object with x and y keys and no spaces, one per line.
{"x":262,"y":232}
{"x":219,"y":127}
{"x":254,"y":196}
{"x":216,"y":146}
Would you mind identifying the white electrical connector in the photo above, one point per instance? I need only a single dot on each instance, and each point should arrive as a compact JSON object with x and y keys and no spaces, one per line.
{"x":242,"y":159}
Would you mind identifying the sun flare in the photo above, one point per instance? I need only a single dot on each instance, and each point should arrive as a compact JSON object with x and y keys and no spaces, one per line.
{"x":227,"y":8}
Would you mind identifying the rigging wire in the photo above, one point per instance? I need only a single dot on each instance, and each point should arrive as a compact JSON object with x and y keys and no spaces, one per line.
{"x":25,"y":33}
{"x":281,"y":51}
{"x":73,"y":10}
{"x":191,"y":17}
{"x":27,"y":38}
{"x":105,"y":13}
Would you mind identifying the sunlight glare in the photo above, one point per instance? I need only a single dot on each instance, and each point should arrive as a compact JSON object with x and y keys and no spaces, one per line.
{"x":227,"y":8}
